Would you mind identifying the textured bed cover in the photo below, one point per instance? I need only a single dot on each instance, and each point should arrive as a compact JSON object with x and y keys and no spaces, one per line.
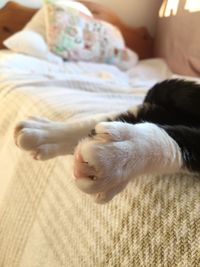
{"x":44,"y":219}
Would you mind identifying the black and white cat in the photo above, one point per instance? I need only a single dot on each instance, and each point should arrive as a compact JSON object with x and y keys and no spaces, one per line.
{"x":160,"y":136}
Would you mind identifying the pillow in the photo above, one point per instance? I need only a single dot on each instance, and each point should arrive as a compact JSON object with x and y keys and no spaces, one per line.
{"x":75,"y":35}
{"x":31,"y":43}
{"x":31,"y":40}
{"x":37,"y":23}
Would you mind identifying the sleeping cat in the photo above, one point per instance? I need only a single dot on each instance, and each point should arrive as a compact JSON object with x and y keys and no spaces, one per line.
{"x":160,"y":136}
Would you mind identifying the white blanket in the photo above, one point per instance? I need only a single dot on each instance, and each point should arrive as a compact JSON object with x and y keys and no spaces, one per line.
{"x":70,"y":91}
{"x":44,"y":219}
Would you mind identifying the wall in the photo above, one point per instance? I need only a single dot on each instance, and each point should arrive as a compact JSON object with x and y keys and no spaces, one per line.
{"x":178,"y":37}
{"x":136,"y":12}
{"x":133,"y":12}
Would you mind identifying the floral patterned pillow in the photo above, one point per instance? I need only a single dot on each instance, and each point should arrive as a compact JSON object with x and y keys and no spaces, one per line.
{"x":75,"y":35}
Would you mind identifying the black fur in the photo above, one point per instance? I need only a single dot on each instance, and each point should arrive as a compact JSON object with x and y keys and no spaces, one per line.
{"x":174,"y":105}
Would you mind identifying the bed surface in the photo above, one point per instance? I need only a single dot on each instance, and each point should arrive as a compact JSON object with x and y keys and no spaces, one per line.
{"x":45,"y":219}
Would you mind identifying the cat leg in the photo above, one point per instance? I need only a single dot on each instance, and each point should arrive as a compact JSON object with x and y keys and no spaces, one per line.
{"x":45,"y":139}
{"x":188,"y":139}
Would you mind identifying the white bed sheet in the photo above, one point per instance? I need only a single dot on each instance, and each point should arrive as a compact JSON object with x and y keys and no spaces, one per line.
{"x":34,"y":196}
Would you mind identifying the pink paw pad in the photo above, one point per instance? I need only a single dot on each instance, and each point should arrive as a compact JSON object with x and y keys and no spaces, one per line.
{"x":82,"y":168}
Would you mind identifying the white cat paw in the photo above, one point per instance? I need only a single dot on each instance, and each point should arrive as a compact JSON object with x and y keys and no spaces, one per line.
{"x":104,"y":163}
{"x":117,"y":152}
{"x":42,"y":138}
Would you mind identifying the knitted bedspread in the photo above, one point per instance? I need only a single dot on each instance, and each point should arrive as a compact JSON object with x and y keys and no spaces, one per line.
{"x":45,"y":221}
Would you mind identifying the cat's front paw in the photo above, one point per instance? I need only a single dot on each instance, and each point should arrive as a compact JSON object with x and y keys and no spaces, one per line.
{"x":104,"y":163}
{"x":42,"y":138}
{"x":117,"y":152}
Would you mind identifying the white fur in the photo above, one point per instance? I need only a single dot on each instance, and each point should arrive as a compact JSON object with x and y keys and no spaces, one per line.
{"x":45,"y":139}
{"x":121,"y":151}
{"x":105,"y":163}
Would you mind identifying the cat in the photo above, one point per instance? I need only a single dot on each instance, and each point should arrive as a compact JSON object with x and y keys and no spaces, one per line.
{"x":162,"y":135}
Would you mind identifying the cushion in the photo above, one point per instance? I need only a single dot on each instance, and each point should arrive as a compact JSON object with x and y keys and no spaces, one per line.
{"x":75,"y":35}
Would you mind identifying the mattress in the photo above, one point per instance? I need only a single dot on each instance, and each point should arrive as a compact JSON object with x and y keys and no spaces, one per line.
{"x":44,"y":219}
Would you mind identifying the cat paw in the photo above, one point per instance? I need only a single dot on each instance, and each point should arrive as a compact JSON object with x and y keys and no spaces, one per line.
{"x":117,"y":152}
{"x":41,"y":137}
{"x":105,"y":162}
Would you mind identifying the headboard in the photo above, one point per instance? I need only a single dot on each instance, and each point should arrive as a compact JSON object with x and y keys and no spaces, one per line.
{"x":10,"y":22}
{"x":137,"y":39}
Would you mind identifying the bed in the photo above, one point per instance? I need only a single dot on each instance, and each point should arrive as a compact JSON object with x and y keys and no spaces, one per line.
{"x":44,"y":219}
